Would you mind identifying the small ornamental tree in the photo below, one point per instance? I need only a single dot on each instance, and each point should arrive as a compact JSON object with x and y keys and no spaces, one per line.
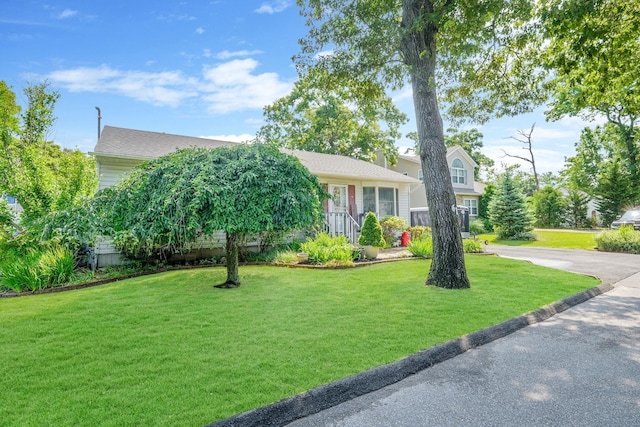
{"x":168,"y":204}
{"x":371,"y":233}
{"x":508,"y":211}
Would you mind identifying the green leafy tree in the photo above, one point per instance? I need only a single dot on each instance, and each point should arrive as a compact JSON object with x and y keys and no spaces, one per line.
{"x":549,"y":207}
{"x":600,"y":169}
{"x":594,"y":52}
{"x":472,"y":53}
{"x":508,"y":211}
{"x":612,"y":194}
{"x":483,"y":205}
{"x":323,"y":116}
{"x":42,"y":176}
{"x":577,"y":208}
{"x":471,"y":141}
{"x":168,"y":204}
{"x":7,"y":219}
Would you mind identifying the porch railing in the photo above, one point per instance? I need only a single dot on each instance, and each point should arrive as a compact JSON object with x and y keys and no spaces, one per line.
{"x":341,"y":223}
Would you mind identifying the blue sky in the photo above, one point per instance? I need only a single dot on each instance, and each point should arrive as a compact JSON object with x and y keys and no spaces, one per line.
{"x":197,"y":68}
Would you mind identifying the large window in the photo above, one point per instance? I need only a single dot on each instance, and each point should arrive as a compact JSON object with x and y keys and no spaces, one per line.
{"x":387,"y":200}
{"x":458,"y":172}
{"x":472,"y":204}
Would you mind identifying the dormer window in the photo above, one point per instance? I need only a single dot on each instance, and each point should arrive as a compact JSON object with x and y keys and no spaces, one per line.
{"x":458,"y":172}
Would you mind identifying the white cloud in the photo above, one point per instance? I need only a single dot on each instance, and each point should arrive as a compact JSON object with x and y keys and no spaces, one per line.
{"x":200,"y":30}
{"x":227,"y":87}
{"x":206,"y":53}
{"x":404,"y":94}
{"x":245,"y":137}
{"x":232,"y":86}
{"x":273,"y":7}
{"x":225,"y":54}
{"x":67,"y":13}
{"x":168,"y":88}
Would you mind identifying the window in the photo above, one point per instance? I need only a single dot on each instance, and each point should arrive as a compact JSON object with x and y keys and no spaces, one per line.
{"x":472,"y":204}
{"x":369,"y":199}
{"x":458,"y":173}
{"x":387,"y":200}
{"x":420,"y":176}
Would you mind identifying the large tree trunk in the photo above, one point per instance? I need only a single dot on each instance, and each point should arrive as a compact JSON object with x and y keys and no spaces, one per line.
{"x":233,"y":279}
{"x":419,"y":50}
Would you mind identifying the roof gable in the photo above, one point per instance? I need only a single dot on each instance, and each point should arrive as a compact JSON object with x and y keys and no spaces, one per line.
{"x":456,"y":150}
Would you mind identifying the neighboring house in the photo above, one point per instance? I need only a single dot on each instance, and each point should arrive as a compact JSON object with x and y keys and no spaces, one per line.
{"x":461,"y":168}
{"x":357,"y":186}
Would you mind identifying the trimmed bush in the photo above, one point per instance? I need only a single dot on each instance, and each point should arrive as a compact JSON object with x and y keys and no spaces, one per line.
{"x":625,"y":239}
{"x":371,"y":232}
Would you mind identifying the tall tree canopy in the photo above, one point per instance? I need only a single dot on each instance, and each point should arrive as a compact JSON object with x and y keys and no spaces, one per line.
{"x":168,"y":204}
{"x":41,"y":175}
{"x":594,"y":52}
{"x":600,"y":168}
{"x":323,"y":116}
{"x":472,"y":52}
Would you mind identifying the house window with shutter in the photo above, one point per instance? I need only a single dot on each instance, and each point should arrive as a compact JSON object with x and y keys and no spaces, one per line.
{"x":458,"y":172}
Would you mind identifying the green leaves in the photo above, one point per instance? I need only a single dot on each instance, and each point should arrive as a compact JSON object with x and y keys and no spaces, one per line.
{"x":327,"y":115}
{"x":42,"y":176}
{"x":171,"y":203}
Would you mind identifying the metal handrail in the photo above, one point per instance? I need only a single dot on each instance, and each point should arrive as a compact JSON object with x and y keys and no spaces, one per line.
{"x":341,"y":223}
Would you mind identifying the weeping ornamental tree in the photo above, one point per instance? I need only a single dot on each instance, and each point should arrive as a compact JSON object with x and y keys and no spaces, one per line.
{"x":168,"y":204}
{"x":475,"y":54}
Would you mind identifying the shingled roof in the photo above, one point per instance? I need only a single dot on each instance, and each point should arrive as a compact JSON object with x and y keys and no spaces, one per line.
{"x":342,"y":166}
{"x":117,"y":142}
{"x":145,"y":145}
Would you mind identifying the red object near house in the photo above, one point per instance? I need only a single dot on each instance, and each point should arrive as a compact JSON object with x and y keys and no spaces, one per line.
{"x":406,"y":237}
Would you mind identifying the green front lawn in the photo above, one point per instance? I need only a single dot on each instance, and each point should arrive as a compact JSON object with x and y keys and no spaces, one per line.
{"x":550,"y":239}
{"x":169,"y":349}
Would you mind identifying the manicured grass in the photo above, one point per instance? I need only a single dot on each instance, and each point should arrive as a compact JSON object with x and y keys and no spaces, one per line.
{"x":170,"y":349}
{"x":550,"y":239}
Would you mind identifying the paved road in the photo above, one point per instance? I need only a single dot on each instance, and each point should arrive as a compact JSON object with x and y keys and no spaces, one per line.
{"x":578,"y":368}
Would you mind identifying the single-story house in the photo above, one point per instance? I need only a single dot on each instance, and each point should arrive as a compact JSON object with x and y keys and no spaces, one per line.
{"x":461,"y":166}
{"x":357,"y":186}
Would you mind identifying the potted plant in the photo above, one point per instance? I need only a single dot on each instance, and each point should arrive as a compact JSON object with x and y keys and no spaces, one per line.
{"x":371,"y":236}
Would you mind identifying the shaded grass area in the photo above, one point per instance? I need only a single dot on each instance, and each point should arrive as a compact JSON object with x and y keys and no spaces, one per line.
{"x":170,"y":349}
{"x":550,"y":239}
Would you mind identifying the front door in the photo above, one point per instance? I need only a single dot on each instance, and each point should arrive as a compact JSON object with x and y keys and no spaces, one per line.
{"x":338,"y":209}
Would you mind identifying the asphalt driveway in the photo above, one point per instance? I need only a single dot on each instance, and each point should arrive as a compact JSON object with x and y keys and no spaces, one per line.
{"x":578,"y":368}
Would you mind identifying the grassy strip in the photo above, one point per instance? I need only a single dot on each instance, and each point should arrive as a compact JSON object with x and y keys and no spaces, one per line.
{"x":550,"y":239}
{"x":171,"y":350}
